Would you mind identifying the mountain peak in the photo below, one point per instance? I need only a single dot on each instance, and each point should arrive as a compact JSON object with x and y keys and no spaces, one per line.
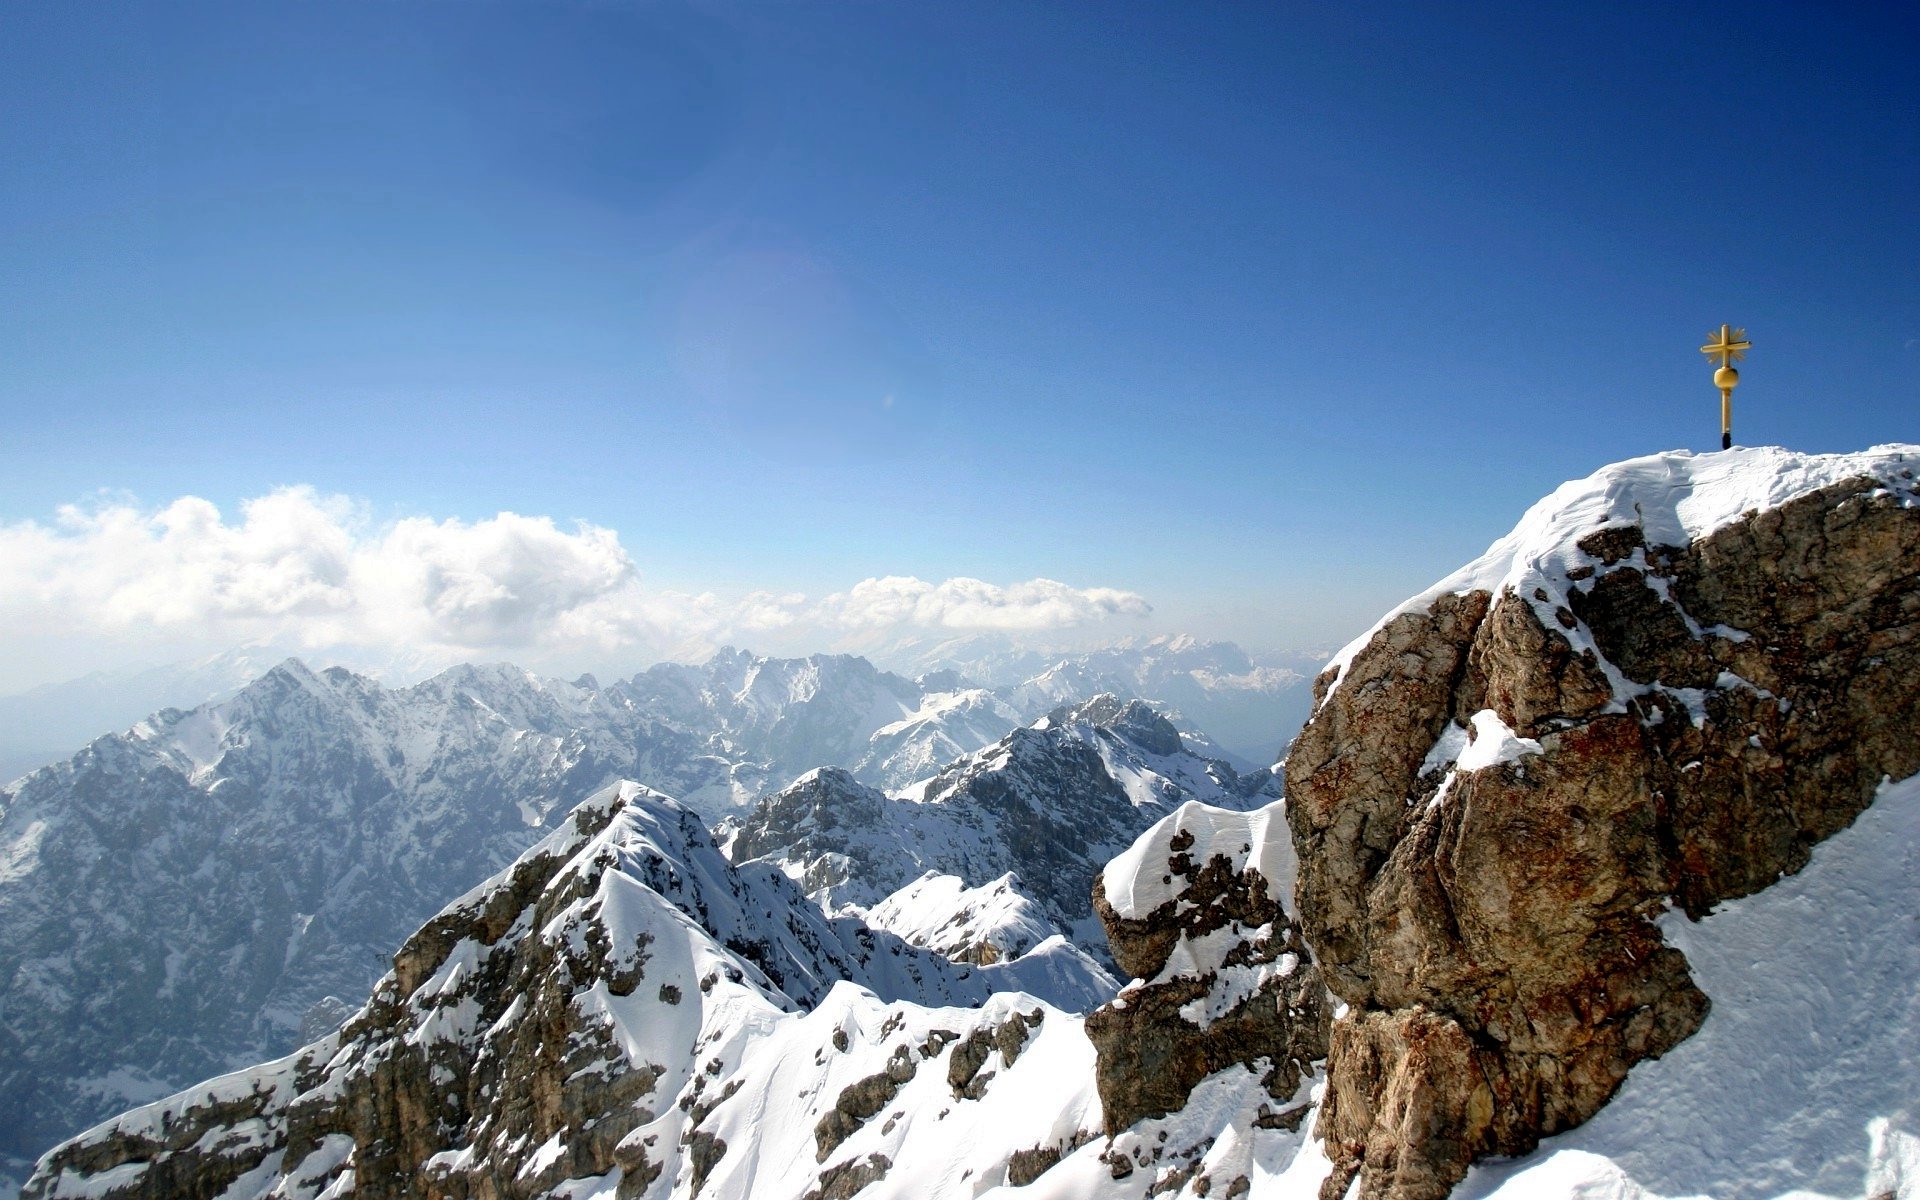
{"x":1136,"y":720}
{"x":1632,"y":702}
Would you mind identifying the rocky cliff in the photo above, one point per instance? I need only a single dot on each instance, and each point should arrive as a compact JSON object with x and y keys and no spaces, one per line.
{"x":1670,"y":684}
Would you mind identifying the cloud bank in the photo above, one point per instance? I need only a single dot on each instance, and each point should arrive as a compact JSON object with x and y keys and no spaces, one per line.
{"x":312,"y":570}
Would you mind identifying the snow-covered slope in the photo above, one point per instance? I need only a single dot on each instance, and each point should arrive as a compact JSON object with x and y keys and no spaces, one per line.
{"x":624,"y":1010}
{"x":984,"y":924}
{"x":187,"y":896}
{"x":1048,"y":804}
{"x":946,"y":726}
{"x":175,"y":899}
{"x":1805,"y":1079}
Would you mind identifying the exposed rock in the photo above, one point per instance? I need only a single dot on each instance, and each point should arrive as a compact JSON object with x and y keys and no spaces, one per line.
{"x":1222,"y":976}
{"x":1025,"y":1166}
{"x":704,"y":1152}
{"x":861,"y":1101}
{"x":842,"y":1180}
{"x":1499,"y":791}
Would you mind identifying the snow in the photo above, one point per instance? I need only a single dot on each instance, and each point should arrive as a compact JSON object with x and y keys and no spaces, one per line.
{"x":1808,"y":1062}
{"x":546,"y":1155}
{"x":1136,"y":884}
{"x":1493,"y":743}
{"x":1895,"y":1166}
{"x":942,"y":913}
{"x":1233,"y":986}
{"x":1676,"y":497}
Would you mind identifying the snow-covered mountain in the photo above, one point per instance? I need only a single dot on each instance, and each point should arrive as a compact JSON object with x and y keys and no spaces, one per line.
{"x":782,"y":717}
{"x":1250,"y":708}
{"x":1046,"y":806}
{"x":43,"y":724}
{"x":1597,"y":879}
{"x":1251,"y":705}
{"x":277,"y":845}
{"x":175,"y":899}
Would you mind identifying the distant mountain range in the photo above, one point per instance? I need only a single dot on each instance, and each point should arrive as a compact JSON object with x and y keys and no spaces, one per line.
{"x":1250,"y":704}
{"x":204,"y":889}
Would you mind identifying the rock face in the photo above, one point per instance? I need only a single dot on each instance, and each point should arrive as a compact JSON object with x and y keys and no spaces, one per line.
{"x":1612,"y":713}
{"x":1196,"y":912}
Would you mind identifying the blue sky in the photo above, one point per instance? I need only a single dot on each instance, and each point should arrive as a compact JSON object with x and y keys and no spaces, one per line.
{"x":1268,"y":314}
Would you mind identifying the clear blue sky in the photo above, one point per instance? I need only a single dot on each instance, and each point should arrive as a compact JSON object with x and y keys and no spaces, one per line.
{"x":1271,"y":313}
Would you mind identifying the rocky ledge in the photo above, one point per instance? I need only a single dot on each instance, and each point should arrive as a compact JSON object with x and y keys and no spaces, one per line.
{"x":1663,"y":690}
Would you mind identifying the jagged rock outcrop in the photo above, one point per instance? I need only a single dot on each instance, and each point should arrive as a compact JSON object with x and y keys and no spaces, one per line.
{"x":1196,"y":911}
{"x":1666,"y":687}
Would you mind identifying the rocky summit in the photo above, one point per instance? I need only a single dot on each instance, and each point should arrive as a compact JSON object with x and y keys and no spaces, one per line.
{"x":1596,"y":877}
{"x":1665,"y":689}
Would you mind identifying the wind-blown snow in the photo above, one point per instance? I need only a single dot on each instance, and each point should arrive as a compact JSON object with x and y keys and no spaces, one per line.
{"x":1675,"y":497}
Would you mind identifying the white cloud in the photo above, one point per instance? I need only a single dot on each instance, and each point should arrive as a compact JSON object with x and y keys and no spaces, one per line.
{"x":972,"y":604}
{"x":303,"y":569}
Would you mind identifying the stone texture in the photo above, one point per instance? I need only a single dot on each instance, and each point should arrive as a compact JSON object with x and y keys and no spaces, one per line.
{"x":1150,"y":1053}
{"x":1491,"y":930}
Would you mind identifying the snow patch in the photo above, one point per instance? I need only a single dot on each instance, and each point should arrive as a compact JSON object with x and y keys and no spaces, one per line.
{"x":1138,"y":882}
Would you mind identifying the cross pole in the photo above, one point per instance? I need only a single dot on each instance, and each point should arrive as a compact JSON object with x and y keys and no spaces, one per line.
{"x":1730,"y":345}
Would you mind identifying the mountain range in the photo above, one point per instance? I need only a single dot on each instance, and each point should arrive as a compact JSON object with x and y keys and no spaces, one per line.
{"x":981,"y":686}
{"x":280,"y":843}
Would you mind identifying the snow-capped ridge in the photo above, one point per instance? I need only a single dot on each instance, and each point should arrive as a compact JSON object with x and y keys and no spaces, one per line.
{"x":1674,"y":497}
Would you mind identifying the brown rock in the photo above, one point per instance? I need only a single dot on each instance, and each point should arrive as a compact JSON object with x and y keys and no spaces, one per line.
{"x":1149,"y":1054}
{"x":1497,"y":948}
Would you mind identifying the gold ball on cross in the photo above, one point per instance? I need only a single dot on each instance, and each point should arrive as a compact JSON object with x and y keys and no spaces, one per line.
{"x":1725,"y":377}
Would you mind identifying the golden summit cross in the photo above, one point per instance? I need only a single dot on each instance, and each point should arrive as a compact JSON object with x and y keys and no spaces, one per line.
{"x":1730,"y":345}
